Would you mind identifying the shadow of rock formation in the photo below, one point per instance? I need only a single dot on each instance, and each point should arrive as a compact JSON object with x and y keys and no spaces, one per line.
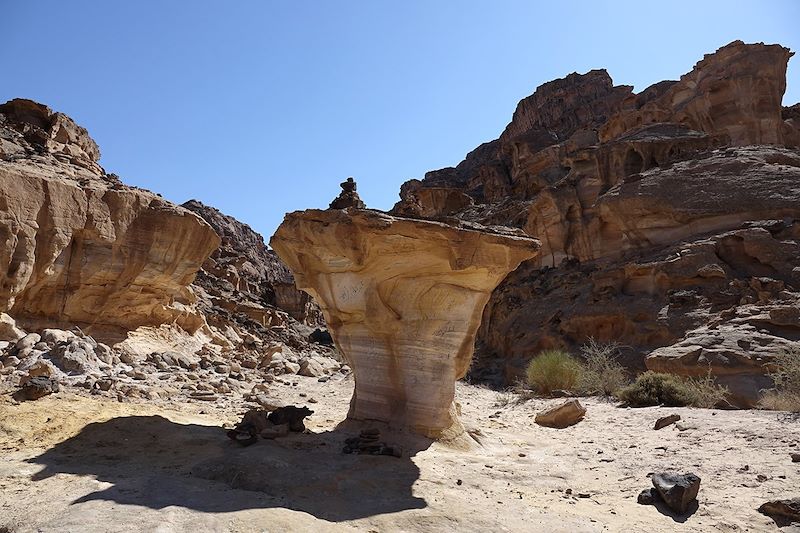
{"x":154,"y":462}
{"x":664,"y":509}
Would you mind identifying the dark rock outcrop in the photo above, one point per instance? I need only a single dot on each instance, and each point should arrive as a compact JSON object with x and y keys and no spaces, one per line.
{"x":243,"y":275}
{"x":784,"y":512}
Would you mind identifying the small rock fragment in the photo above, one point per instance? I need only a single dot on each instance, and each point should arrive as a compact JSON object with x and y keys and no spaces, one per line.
{"x":664,"y":421}
{"x":206,"y":396}
{"x":648,"y":497}
{"x":35,"y":388}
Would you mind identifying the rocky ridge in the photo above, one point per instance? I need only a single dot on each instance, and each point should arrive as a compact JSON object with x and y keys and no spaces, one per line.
{"x":244,"y":280}
{"x":668,"y":219}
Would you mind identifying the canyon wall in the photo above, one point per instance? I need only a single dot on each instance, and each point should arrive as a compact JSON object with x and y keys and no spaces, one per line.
{"x":660,"y":213}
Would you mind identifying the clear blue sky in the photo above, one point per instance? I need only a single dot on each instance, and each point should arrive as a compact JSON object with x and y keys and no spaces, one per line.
{"x":263,"y":107}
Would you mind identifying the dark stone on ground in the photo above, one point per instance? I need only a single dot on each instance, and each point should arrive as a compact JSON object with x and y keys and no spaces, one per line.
{"x":648,"y":497}
{"x":321,"y":336}
{"x":35,"y":388}
{"x":368,"y":442}
{"x":290,"y":415}
{"x":782,"y":511}
{"x":677,"y":490}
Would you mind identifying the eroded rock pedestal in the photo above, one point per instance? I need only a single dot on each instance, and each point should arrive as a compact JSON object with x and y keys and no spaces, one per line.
{"x":403,"y":299}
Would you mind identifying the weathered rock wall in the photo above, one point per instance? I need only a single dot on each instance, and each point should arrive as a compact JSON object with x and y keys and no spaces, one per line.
{"x":80,"y":248}
{"x":736,"y":91}
{"x":622,"y":190}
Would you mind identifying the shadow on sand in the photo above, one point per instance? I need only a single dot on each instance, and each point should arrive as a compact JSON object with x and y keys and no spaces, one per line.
{"x":153,"y":462}
{"x":680,"y":518}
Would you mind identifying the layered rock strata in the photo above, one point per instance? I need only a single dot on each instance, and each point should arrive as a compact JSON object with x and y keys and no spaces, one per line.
{"x":78,"y":246}
{"x":403,"y":299}
{"x":659,"y":213}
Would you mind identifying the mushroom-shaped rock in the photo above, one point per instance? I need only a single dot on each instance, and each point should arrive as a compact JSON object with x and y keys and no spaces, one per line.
{"x":403,"y":299}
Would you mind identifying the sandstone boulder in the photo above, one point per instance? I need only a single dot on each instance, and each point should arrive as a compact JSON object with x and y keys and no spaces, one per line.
{"x":42,"y":367}
{"x":75,"y":357}
{"x":35,"y":388}
{"x":56,"y":336}
{"x":738,"y":352}
{"x":311,"y":367}
{"x":27,"y":342}
{"x":561,"y":416}
{"x":9,"y":330}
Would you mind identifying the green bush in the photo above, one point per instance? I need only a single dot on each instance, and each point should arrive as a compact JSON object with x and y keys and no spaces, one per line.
{"x":601,"y":373}
{"x":652,"y":388}
{"x":553,"y":370}
{"x":786,"y":375}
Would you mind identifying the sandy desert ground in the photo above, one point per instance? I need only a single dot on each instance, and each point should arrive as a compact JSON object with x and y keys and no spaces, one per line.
{"x":74,"y":462}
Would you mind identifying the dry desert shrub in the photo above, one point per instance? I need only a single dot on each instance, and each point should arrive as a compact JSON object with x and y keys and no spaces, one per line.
{"x":786,"y":375}
{"x":653,"y":388}
{"x":705,"y":392}
{"x":601,"y":373}
{"x":553,"y":370}
{"x":505,"y":398}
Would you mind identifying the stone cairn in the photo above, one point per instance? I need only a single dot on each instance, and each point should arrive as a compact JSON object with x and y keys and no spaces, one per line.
{"x":348,"y":197}
{"x":368,"y":442}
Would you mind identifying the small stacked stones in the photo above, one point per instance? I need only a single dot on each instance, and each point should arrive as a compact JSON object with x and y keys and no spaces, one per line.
{"x":368,"y":442}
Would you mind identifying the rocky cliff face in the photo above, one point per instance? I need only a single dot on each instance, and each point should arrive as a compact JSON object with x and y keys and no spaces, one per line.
{"x":243,"y":275}
{"x":660,"y":214}
{"x":78,"y":246}
{"x":403,"y":299}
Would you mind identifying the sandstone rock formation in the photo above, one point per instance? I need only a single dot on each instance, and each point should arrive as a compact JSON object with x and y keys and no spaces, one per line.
{"x":80,"y":248}
{"x":403,"y":299}
{"x":662,"y":217}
